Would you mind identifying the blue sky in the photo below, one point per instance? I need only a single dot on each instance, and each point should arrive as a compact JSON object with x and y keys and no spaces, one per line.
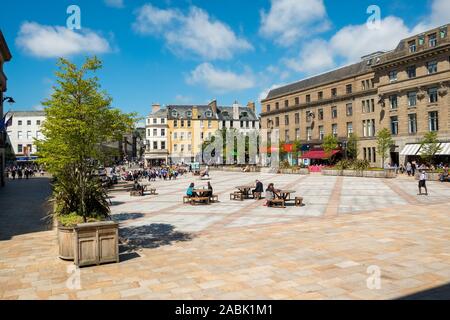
{"x":192,"y":51}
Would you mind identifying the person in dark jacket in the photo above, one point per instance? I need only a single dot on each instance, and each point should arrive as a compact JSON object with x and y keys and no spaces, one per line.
{"x":259,"y":188}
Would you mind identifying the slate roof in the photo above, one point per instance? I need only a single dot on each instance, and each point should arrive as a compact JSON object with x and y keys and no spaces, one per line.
{"x":182,"y":112}
{"x":32,"y":113}
{"x":226,"y":114}
{"x":328,"y":77}
{"x":161,"y":113}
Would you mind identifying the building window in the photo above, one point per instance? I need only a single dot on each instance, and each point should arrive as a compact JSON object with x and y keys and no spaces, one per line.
{"x":286,"y":103}
{"x":433,"y":121}
{"x":38,"y":122}
{"x":421,"y":40}
{"x":334,"y":129}
{"x":182,"y":148}
{"x":334,"y":113}
{"x":286,"y":120}
{"x":175,"y":147}
{"x":174,"y":113}
{"x":349,"y":128}
{"x":321,"y":133}
{"x":19,"y":148}
{"x":297,"y":118}
{"x":394,"y":125}
{"x":364,"y":107}
{"x":155,"y":132}
{"x":297,"y":101}
{"x":38,"y":135}
{"x":189,"y":148}
{"x":163,"y":132}
{"x":277,"y":105}
{"x":349,"y":109}
{"x":209,"y":124}
{"x":268,"y":108}
{"x":202,"y":135}
{"x":432,"y":40}
{"x":182,"y":136}
{"x":369,"y":154}
{"x":308,"y":134}
{"x":349,"y":89}
{"x":432,"y":67}
{"x":175,"y":123}
{"x":334,"y":92}
{"x":155,"y":145}
{"x":412,"y":123}
{"x":363,"y":85}
{"x":247,"y":124}
{"x":163,"y":121}
{"x":286,"y":135}
{"x":175,"y":136}
{"x":412,"y":99}
{"x":189,"y":123}
{"x":374,"y":154}
{"x":189,"y":135}
{"x":433,"y":95}
{"x":411,"y":70}
{"x":443,"y":32}
{"x":412,"y":46}
{"x":277,"y":121}
{"x":393,"y":76}
{"x":393,"y":101}
{"x":19,"y":134}
{"x":365,"y":153}
{"x":182,"y":123}
{"x":320,"y":114}
{"x":297,"y":134}
{"x":29,"y":135}
{"x":308,"y":98}
{"x":163,"y":145}
{"x":320,"y":95}
{"x":155,"y":121}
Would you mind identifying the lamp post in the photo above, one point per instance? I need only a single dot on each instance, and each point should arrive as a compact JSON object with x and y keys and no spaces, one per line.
{"x":10,"y":100}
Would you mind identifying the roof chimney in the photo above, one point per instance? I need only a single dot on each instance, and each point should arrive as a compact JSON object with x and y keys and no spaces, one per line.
{"x":213,"y":105}
{"x":235,"y":110}
{"x":156,"y":107}
{"x":251,"y":106}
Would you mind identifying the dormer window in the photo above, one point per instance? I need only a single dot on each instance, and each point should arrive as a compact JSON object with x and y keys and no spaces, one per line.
{"x":225,"y":114}
{"x":443,"y":32}
{"x":421,"y":40}
{"x":412,"y":46}
{"x":244,"y":114}
{"x":189,"y":114}
{"x":432,"y":40}
{"x":208,"y":114}
{"x":174,"y":113}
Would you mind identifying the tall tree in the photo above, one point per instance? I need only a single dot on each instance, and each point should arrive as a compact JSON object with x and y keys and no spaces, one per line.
{"x":352,"y":146}
{"x":384,"y":144}
{"x":330,"y":143}
{"x":79,"y":120}
{"x":429,"y":146}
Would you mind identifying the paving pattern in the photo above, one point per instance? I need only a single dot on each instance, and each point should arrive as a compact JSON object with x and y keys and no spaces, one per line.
{"x":355,"y":238}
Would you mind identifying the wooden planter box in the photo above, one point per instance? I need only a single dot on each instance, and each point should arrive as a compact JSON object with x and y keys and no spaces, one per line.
{"x":66,"y":243}
{"x":96,"y":243}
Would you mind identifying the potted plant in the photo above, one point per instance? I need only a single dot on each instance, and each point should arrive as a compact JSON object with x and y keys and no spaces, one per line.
{"x":79,"y":121}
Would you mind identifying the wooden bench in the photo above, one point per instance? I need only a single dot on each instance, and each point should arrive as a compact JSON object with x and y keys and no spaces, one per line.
{"x":214,"y":198}
{"x":277,"y":203}
{"x":136,"y":193}
{"x":187,"y":199}
{"x":199,"y":200}
{"x":298,"y":201}
{"x":257,"y":195}
{"x":237,"y":196}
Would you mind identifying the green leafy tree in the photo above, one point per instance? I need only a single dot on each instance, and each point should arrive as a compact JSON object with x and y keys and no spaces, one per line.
{"x":79,"y":122}
{"x":384,"y":144}
{"x":352,"y":146}
{"x":330,"y":143}
{"x":430,"y":145}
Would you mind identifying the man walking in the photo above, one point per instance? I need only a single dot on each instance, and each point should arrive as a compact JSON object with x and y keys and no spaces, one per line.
{"x":423,"y":182}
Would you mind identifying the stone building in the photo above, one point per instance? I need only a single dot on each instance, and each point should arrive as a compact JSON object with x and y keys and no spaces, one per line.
{"x":5,"y":56}
{"x":404,"y":90}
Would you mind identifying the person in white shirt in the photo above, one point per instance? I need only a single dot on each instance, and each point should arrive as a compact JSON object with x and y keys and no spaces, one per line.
{"x":422,"y":182}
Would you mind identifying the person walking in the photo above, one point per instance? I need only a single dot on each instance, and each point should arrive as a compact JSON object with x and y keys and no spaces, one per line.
{"x":409,"y":169}
{"x":423,"y":182}
{"x":413,"y":168}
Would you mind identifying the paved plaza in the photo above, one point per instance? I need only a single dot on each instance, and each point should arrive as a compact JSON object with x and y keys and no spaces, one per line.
{"x":355,"y":238}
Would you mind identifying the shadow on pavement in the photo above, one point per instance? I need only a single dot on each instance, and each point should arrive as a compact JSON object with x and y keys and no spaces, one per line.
{"x":150,"y":237}
{"x":23,"y":207}
{"x":438,"y":293}
{"x":126,"y":216}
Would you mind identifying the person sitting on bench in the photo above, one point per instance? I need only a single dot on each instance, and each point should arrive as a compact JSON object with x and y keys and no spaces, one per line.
{"x":259,"y":188}
{"x":210,"y":190}
{"x":444,"y":175}
{"x":190,"y":191}
{"x":270,"y":195}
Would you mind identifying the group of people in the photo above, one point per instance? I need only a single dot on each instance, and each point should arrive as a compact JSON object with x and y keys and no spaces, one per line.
{"x":190,"y":192}
{"x":150,"y":174}
{"x":23,"y":171}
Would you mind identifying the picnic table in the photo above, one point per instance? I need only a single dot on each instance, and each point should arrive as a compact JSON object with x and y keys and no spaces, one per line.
{"x":201,"y":192}
{"x":285,"y":194}
{"x":245,"y":190}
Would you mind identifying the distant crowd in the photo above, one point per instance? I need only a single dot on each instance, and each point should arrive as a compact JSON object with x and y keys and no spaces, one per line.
{"x":24,"y":171}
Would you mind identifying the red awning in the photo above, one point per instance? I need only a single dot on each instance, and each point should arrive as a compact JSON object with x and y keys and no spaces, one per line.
{"x":318,"y":154}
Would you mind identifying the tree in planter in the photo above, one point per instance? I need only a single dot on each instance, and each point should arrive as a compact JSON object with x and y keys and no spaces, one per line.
{"x":79,"y":120}
{"x":330,"y":143}
{"x":352,"y":147}
{"x":384,"y":144}
{"x":429,"y":146}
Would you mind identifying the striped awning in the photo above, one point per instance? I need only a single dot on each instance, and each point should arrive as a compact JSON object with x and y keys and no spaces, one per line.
{"x":445,"y":149}
{"x":410,"y":150}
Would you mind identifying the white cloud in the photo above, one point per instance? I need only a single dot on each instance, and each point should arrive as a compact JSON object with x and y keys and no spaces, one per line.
{"x":315,"y":57}
{"x":291,"y":20}
{"x":265,"y":92}
{"x":56,"y":41}
{"x":220,"y":81}
{"x":192,"y":33}
{"x":114,"y":3}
